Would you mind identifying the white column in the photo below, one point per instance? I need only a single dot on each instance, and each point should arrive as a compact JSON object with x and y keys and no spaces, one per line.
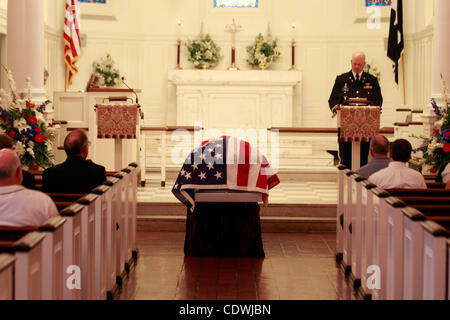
{"x":441,"y":59}
{"x":441,"y":44}
{"x":25,"y":45}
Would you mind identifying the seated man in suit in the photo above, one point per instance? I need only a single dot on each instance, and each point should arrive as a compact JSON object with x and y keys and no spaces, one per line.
{"x":20,"y":207}
{"x":76,"y":174}
{"x":379,"y":149}
{"x":355,"y":84}
{"x":28,"y":180}
{"x":397,"y":174}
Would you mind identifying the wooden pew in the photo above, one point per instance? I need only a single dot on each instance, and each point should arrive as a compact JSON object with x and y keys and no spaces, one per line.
{"x":346,"y":220}
{"x":6,"y":276}
{"x":89,"y":246}
{"x":398,"y":234}
{"x":356,"y":229}
{"x":367,"y":199}
{"x":104,"y":226}
{"x":379,"y":240}
{"x":380,"y":218}
{"x":72,"y":245}
{"x":413,"y":254}
{"x":131,"y":199}
{"x":340,"y":214}
{"x":114,"y":279}
{"x":434,"y":261}
{"x":134,"y":167}
{"x":52,"y":254}
{"x":448,"y":269}
{"x":27,"y":249}
{"x":53,"y":259}
{"x":392,"y":229}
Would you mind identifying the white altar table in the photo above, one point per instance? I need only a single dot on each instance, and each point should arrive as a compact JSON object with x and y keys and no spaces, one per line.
{"x":223,"y":99}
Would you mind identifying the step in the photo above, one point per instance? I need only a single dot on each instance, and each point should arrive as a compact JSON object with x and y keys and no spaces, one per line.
{"x":268,"y":224}
{"x":165,"y":217}
{"x":176,"y":209}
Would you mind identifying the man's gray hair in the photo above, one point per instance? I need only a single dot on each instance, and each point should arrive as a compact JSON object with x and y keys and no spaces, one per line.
{"x":9,"y":162}
{"x":380,"y":144}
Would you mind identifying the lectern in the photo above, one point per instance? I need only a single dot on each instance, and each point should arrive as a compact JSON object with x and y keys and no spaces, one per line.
{"x":118,"y":122}
{"x":358,"y":124}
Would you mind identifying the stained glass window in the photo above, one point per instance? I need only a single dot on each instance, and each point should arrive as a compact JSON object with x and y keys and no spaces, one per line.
{"x":92,"y":1}
{"x":235,"y":3}
{"x":370,"y":3}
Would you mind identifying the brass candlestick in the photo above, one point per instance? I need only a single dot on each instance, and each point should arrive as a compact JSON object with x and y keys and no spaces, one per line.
{"x":233,"y":66}
{"x":178,"y":66}
{"x":293,"y":68}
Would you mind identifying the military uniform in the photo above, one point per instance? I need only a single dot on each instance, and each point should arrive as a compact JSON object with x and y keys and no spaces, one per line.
{"x":346,"y":87}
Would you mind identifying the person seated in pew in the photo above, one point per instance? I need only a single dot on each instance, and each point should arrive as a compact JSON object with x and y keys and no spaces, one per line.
{"x":397,"y":174}
{"x":379,"y":149}
{"x":28,"y":179}
{"x":76,"y":174}
{"x":20,"y":207}
{"x":443,"y":175}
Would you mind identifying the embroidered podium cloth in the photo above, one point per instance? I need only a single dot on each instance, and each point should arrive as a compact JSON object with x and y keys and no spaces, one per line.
{"x":359,"y":123}
{"x":224,"y":164}
{"x":117,"y":121}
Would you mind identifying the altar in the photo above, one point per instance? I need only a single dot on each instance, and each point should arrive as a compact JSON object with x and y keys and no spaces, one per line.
{"x":221,"y":99}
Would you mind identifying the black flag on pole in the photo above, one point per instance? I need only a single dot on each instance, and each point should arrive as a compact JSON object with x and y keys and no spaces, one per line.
{"x":396,"y":40}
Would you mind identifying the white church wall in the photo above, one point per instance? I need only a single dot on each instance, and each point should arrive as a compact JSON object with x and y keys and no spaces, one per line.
{"x":141,"y":34}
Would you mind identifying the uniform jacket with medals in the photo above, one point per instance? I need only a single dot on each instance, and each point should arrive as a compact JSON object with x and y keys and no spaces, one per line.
{"x":346,"y":87}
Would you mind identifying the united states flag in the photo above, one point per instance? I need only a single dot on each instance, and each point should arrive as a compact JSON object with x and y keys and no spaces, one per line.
{"x":224,"y":164}
{"x":72,"y":46}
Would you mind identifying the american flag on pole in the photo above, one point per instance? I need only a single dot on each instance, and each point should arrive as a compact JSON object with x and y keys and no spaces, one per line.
{"x":72,"y":48}
{"x":224,"y":164}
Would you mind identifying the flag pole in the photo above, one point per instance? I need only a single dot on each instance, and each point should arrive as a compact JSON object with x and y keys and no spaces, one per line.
{"x":403,"y":73}
{"x":65,"y":78}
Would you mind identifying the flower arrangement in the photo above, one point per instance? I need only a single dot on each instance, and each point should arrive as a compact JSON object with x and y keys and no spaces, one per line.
{"x":107,"y":74}
{"x":24,"y":122}
{"x":373,"y":71}
{"x":436,"y":149}
{"x":203,"y":53}
{"x":262,"y":53}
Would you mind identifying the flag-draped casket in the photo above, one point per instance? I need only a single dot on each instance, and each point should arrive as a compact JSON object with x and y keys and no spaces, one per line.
{"x":226,"y":163}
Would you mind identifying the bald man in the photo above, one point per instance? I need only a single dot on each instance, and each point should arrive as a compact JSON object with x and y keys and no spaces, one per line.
{"x":28,"y":180}
{"x":355,"y":84}
{"x":20,"y":207}
{"x":76,"y":174}
{"x":379,"y":150}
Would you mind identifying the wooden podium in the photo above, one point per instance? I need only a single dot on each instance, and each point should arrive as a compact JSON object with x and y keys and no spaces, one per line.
{"x":358,"y":124}
{"x":117,"y":120}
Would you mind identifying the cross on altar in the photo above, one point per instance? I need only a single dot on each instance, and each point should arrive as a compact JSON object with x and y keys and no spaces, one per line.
{"x":233,"y":28}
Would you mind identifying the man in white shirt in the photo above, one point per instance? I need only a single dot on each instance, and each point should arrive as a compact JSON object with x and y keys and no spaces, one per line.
{"x":446,"y":176}
{"x":397,"y":174}
{"x":20,"y":207}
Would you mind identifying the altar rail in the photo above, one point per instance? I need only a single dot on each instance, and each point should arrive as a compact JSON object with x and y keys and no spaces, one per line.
{"x":401,"y":235}
{"x":297,"y":148}
{"x":95,"y":234}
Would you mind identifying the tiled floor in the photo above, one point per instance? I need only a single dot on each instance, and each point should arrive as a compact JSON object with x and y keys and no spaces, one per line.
{"x":296,"y":267}
{"x":285,"y":193}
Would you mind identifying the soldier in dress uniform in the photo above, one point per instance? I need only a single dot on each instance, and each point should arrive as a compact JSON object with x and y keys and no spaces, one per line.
{"x":355,"y":84}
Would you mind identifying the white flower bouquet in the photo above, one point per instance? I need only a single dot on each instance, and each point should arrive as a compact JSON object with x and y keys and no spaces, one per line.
{"x":203,"y":53}
{"x":263,"y":53}
{"x":107,"y":74}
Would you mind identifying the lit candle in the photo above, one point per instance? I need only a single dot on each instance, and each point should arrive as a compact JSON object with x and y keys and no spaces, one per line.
{"x":293,"y":26}
{"x":179,"y":30}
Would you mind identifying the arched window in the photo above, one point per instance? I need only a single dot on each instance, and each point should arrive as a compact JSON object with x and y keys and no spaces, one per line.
{"x":235,"y":3}
{"x":92,"y":1}
{"x":370,"y":3}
